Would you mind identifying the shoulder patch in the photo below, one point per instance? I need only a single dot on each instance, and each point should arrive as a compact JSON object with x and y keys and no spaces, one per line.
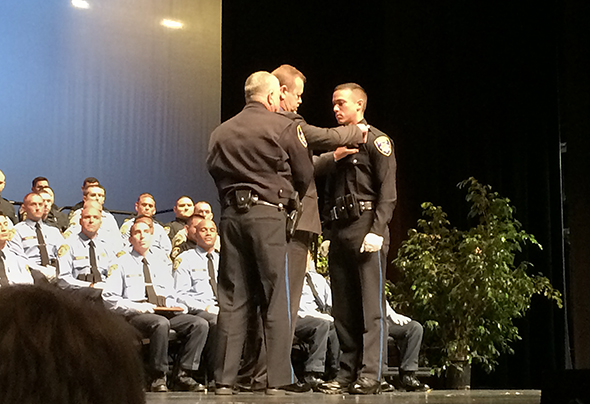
{"x":301,"y":136}
{"x":111,"y":269}
{"x":120,"y":253}
{"x":174,"y":253}
{"x":383,"y":145}
{"x":63,"y":250}
{"x":167,"y":230}
{"x":177,"y":262}
{"x":124,"y":228}
{"x":67,"y":234}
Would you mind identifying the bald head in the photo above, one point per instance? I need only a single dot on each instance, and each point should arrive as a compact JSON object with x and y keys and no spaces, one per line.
{"x":264,"y":88}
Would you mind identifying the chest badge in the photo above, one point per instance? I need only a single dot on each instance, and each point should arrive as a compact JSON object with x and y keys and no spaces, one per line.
{"x":383,"y":145}
{"x":301,"y":136}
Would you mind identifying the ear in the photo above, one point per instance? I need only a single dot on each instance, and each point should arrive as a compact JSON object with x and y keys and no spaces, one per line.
{"x":284,"y":89}
{"x":360,"y":104}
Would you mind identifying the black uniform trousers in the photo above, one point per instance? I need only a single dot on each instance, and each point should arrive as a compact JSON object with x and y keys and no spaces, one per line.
{"x":253,"y":270}
{"x":408,"y":338}
{"x":298,"y":250}
{"x":190,"y":329}
{"x":358,"y":299}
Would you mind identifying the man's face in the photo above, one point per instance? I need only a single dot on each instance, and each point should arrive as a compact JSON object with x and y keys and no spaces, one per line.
{"x":291,"y":97}
{"x":146,"y":206}
{"x":6,"y":230}
{"x":40,"y":185}
{"x":47,"y":202}
{"x":95,"y":194}
{"x":192,"y":229}
{"x":2,"y":182}
{"x":34,"y":207}
{"x":184,"y":208}
{"x":141,"y":237}
{"x":90,"y":220}
{"x":204,"y":209}
{"x":206,"y":234}
{"x":346,"y":107}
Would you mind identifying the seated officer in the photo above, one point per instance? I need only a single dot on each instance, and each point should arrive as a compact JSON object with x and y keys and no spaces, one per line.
{"x":140,"y":284}
{"x":195,"y":277}
{"x":37,"y":242}
{"x":13,"y":269}
{"x":407,"y":334}
{"x":6,"y":208}
{"x":85,"y":259}
{"x":109,"y":229}
{"x":316,"y":327}
{"x":146,"y":206}
{"x":52,"y":215}
{"x":88,"y":181}
{"x":183,"y":210}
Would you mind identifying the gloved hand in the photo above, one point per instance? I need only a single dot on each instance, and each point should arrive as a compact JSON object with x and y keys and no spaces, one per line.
{"x":324,"y":248}
{"x":372,"y":243}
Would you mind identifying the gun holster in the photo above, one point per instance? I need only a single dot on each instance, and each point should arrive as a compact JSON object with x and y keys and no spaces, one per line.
{"x":243,"y":200}
{"x":347,"y":207}
{"x":293,"y":216}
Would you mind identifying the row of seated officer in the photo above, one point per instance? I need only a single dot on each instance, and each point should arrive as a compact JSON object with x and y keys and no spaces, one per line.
{"x":138,"y":279}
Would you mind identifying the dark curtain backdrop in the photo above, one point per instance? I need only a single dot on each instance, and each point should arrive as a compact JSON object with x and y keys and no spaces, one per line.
{"x":464,"y":89}
{"x":111,"y":93}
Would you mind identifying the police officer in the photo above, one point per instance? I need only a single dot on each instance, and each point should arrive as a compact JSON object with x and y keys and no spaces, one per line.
{"x":85,"y":260}
{"x":361,"y":196}
{"x":259,"y":162}
{"x":13,"y":269}
{"x":183,"y":209}
{"x":292,"y":83}
{"x":35,"y":241}
{"x":142,"y":282}
{"x":6,"y":208}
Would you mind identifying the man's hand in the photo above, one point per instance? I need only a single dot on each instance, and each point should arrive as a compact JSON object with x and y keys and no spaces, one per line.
{"x":49,"y":271}
{"x":343,"y":151}
{"x":212,"y":309}
{"x":399,"y":319}
{"x":323,"y":316}
{"x":372,"y":243}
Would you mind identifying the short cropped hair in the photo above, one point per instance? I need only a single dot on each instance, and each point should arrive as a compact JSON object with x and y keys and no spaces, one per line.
{"x":287,"y":75}
{"x":86,"y":192}
{"x":89,"y":180}
{"x":37,"y":179}
{"x":57,"y":348}
{"x":142,"y":219}
{"x":258,"y":84}
{"x":355,"y":88}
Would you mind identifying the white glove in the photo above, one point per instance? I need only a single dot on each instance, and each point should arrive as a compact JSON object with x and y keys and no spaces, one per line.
{"x":399,"y":319}
{"x":372,"y":243}
{"x":324,"y":248}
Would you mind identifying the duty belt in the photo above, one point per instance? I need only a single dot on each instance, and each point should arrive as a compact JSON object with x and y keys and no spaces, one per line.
{"x":242,"y":201}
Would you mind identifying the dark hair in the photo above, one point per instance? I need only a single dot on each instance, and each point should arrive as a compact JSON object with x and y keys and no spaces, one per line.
{"x":90,"y":180}
{"x":37,"y":179}
{"x":57,"y":348}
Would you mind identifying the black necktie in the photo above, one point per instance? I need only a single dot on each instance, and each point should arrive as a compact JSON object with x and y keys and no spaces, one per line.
{"x":316,"y":296}
{"x":42,"y":246}
{"x":3,"y":277}
{"x":95,"y":275}
{"x":212,"y":278}
{"x":150,"y":292}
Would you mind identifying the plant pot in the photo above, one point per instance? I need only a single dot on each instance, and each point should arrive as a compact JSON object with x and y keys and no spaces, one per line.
{"x":458,"y":376}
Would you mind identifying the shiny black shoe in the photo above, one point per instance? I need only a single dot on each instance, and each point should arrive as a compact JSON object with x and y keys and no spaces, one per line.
{"x":333,"y":387}
{"x":386,"y":387}
{"x":183,"y":382}
{"x":289,"y":389}
{"x":159,"y":385}
{"x":314,"y":380}
{"x":364,"y":385}
{"x":411,"y":383}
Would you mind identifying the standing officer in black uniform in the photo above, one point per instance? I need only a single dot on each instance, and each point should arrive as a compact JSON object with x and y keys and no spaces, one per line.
{"x":259,"y":161}
{"x":361,"y":195}
{"x":292,"y":82}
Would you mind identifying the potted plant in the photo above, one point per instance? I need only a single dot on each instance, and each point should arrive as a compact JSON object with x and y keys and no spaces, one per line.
{"x":467,"y":286}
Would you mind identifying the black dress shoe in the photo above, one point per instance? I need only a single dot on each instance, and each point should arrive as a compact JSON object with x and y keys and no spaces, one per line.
{"x":183,"y":382}
{"x":386,"y":387}
{"x":159,"y":385}
{"x":333,"y":387}
{"x":221,"y":390}
{"x":313,"y":380}
{"x":364,"y":385}
{"x":411,"y":383}
{"x":289,"y":388}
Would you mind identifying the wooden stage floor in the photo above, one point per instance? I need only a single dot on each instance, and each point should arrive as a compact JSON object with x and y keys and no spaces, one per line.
{"x":432,"y":397}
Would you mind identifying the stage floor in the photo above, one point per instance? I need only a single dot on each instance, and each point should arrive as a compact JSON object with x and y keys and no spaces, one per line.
{"x":433,"y":397}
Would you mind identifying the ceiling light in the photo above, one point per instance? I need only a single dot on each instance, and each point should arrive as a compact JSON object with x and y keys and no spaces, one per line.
{"x":171,"y":24}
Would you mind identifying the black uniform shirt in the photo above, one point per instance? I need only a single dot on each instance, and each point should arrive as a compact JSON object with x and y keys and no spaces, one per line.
{"x":260,"y":150}
{"x":368,"y":174}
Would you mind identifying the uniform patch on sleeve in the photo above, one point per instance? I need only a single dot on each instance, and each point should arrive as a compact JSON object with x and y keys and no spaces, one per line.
{"x":177,"y":262}
{"x":124,"y":228}
{"x":120,"y":253}
{"x":174,"y":253}
{"x":111,"y":269}
{"x":63,"y":250}
{"x":383,"y":145}
{"x":67,"y":234}
{"x":301,"y":136}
